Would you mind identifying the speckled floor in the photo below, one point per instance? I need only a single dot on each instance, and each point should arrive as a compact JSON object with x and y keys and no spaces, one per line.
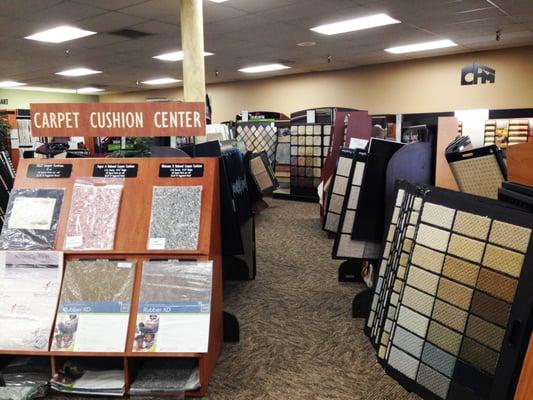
{"x":298,"y":340}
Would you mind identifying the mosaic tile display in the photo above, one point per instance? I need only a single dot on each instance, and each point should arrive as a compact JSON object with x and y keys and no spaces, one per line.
{"x":259,"y":136}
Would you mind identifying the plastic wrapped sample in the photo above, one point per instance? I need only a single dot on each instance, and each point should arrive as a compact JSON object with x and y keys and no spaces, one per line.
{"x":166,"y":377}
{"x":174,"y":307}
{"x":175,"y":219}
{"x":93,"y":215}
{"x":94,"y":306}
{"x":101,"y":382}
{"x":25,"y":378}
{"x":31,"y":219}
{"x":29,"y":288}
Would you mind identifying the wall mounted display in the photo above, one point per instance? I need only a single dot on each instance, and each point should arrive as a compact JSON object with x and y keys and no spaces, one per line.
{"x":175,"y":218}
{"x":93,"y":214}
{"x":29,"y":289}
{"x":480,"y":171}
{"x":455,"y":334}
{"x":31,"y":219}
{"x":174,"y":307}
{"x":94,"y":306}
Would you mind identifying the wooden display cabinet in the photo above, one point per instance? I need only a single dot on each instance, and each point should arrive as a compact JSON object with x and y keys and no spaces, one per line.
{"x":131,"y":239}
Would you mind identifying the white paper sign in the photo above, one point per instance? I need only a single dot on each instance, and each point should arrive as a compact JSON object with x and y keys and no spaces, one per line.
{"x":311,"y":116}
{"x":356,"y":143}
{"x":244,"y":116}
{"x":156,"y":244}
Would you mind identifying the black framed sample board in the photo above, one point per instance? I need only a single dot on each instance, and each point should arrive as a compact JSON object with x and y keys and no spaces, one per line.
{"x":339,"y":186}
{"x":463,"y":313}
{"x":480,"y":171}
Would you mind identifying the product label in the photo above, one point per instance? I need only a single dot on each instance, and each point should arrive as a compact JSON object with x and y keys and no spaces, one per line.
{"x":72,"y":242}
{"x":46,"y":171}
{"x":181,"y":170}
{"x":115,"y":170}
{"x":156,"y":244}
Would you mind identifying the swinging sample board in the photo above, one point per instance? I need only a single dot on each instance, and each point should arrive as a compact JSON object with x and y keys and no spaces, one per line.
{"x":152,"y":189}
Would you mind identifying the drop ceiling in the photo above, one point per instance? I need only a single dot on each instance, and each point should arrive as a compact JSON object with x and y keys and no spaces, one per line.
{"x":241,"y":33}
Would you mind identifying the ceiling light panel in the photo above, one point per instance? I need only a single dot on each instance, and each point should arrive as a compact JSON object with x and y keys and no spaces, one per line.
{"x":218,"y":1}
{"x":425,"y":46}
{"x":263,"y":68}
{"x":10,"y":84}
{"x":60,"y":34}
{"x":78,"y":72}
{"x":160,"y":81}
{"x":89,"y":90}
{"x":355,"y":24}
{"x":176,"y":56}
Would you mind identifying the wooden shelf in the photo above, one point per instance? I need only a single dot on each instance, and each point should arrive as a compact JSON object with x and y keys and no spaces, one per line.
{"x":131,"y":239}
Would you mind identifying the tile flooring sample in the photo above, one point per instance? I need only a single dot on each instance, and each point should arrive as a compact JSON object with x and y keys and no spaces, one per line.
{"x":454,"y":309}
{"x":344,"y":247}
{"x":309,"y":149}
{"x":93,"y":214}
{"x":29,"y":290}
{"x":262,"y":174}
{"x":259,"y":136}
{"x":174,"y":307}
{"x":175,"y":220}
{"x":31,"y":219}
{"x":338,"y":190}
{"x":94,"y":306}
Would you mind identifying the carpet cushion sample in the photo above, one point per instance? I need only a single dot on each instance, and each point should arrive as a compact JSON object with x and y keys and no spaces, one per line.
{"x":93,"y":214}
{"x":480,"y":171}
{"x":175,"y":219}
{"x":31,"y":219}
{"x":29,"y":289}
{"x":174,"y":307}
{"x":95,"y":298}
{"x":166,"y":377}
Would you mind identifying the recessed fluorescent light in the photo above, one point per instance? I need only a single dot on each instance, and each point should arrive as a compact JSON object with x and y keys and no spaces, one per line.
{"x":160,"y":81}
{"x":60,"y":34}
{"x":45,"y":89}
{"x":176,"y":56}
{"x":10,"y":84}
{"x":78,"y":72}
{"x":218,"y":1}
{"x":89,"y":90}
{"x":263,"y":68}
{"x":438,"y":44}
{"x":355,"y":24}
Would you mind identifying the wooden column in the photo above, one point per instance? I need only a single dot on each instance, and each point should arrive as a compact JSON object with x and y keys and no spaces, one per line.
{"x":192,"y":42}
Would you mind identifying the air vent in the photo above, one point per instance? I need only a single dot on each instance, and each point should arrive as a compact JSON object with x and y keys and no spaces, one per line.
{"x":130,"y":33}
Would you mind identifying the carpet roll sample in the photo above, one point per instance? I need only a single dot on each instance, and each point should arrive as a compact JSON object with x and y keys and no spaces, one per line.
{"x":338,"y":190}
{"x":29,"y":289}
{"x":480,"y":171}
{"x":344,"y":247}
{"x":93,"y":214}
{"x":174,"y":307}
{"x":31,"y":219}
{"x":455,"y":307}
{"x":94,"y":306}
{"x":175,"y":220}
{"x":262,"y":173}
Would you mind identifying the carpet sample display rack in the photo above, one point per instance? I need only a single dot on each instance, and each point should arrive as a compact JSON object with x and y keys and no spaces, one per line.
{"x":139,"y":241}
{"x":450,"y":317}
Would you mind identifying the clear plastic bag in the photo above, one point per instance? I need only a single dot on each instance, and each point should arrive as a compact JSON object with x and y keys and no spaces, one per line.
{"x":94,"y":307}
{"x":31,"y":219}
{"x":29,"y":289}
{"x":174,"y":306}
{"x":93,"y":214}
{"x":175,"y":218}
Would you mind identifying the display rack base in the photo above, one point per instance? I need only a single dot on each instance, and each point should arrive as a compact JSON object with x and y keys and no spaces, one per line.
{"x":361,"y":304}
{"x":232,"y":331}
{"x":350,"y":271}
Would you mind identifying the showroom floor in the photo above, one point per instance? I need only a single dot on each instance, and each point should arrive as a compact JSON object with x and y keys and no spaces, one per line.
{"x":298,"y":340}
